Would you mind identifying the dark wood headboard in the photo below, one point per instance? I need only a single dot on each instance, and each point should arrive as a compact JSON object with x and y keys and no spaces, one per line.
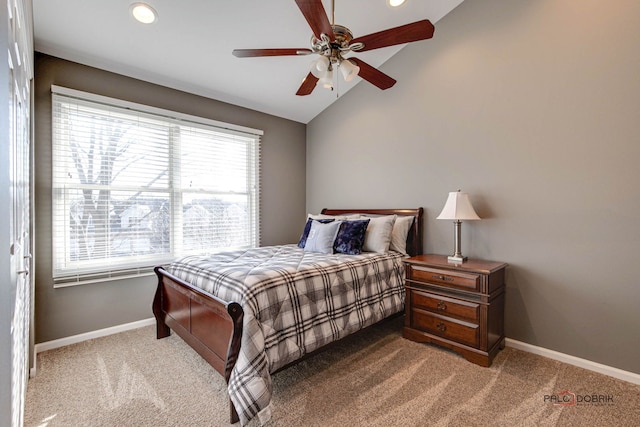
{"x":414,"y":238}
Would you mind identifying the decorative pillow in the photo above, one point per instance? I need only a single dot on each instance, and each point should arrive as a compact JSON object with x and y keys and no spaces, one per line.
{"x":399,"y":234}
{"x":307,"y":227}
{"x":378,"y":235}
{"x":321,"y":237}
{"x":350,"y":238}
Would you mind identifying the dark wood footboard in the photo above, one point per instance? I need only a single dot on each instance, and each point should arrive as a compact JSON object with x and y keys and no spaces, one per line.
{"x":211,"y":326}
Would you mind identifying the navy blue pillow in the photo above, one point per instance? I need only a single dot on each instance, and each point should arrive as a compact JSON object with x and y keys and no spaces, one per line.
{"x":350,"y":238}
{"x":307,"y":227}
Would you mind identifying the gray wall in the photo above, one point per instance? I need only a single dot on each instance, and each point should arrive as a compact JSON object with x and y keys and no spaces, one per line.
{"x":533,"y":107}
{"x":73,"y":310}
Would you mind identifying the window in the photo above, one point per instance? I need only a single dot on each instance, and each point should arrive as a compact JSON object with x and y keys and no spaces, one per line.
{"x":135,"y":186}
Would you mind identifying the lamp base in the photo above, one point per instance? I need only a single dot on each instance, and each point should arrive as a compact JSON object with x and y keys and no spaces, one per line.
{"x":456,"y":259}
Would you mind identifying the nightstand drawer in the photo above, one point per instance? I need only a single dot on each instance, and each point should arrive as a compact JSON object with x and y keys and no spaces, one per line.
{"x":462,"y":332}
{"x":464,"y":310}
{"x":466,"y":281}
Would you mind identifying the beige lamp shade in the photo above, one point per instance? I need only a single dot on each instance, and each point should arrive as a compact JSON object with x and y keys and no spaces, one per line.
{"x":458,"y":207}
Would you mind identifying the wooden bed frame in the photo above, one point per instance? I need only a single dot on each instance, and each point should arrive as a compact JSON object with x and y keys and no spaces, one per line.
{"x":213,"y":327}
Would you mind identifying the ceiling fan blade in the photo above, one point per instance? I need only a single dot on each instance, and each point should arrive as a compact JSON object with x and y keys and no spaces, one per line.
{"x":419,"y":30}
{"x":316,"y":16}
{"x":373,"y":75}
{"x":249,"y":53}
{"x":307,"y":86}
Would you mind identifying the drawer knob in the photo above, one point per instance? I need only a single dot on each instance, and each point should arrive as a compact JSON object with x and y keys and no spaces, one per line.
{"x":441,"y":327}
{"x":442,"y":305}
{"x":440,"y":277}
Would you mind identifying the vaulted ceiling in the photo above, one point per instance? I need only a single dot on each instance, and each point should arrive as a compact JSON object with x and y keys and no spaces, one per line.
{"x":189,"y":46}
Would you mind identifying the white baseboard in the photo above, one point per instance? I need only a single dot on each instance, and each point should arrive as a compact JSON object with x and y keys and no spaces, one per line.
{"x":50,"y":345}
{"x":575,"y":361}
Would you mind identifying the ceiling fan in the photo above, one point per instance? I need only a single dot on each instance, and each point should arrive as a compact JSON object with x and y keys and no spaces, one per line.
{"x":331,"y":42}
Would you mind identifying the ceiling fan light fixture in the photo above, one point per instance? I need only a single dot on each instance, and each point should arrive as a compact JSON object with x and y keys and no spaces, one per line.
{"x":326,"y":81}
{"x":318,"y":67}
{"x":143,"y":13}
{"x":322,"y":63}
{"x":348,"y":70}
{"x":314,"y":70}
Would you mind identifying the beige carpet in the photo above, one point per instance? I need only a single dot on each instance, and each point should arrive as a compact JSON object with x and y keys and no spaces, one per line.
{"x":375,"y":378}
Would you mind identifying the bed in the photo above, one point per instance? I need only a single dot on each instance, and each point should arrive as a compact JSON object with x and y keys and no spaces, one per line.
{"x":250,"y":313}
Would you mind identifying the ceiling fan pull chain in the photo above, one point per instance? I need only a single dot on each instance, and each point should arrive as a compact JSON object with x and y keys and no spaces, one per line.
{"x":338,"y":80}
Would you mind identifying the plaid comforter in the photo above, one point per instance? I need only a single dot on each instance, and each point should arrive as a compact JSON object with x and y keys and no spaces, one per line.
{"x":294,"y":302}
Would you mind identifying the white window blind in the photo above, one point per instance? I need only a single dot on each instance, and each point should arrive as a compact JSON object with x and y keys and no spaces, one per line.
{"x":135,"y":186}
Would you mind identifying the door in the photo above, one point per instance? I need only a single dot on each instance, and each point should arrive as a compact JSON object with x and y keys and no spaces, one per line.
{"x":20,"y":63}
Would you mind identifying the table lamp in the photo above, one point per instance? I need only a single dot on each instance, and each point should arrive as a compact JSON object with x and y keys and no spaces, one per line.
{"x":458,"y":208}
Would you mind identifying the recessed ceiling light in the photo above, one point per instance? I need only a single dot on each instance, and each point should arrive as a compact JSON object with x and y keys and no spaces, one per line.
{"x":396,"y":3}
{"x":144,"y":13}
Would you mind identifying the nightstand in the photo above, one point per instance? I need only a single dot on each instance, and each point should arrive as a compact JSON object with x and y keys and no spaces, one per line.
{"x":457,"y":306}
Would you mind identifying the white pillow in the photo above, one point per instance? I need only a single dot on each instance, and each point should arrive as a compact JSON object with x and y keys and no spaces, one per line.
{"x":378,"y":235}
{"x":321,"y":237}
{"x":399,"y":234}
